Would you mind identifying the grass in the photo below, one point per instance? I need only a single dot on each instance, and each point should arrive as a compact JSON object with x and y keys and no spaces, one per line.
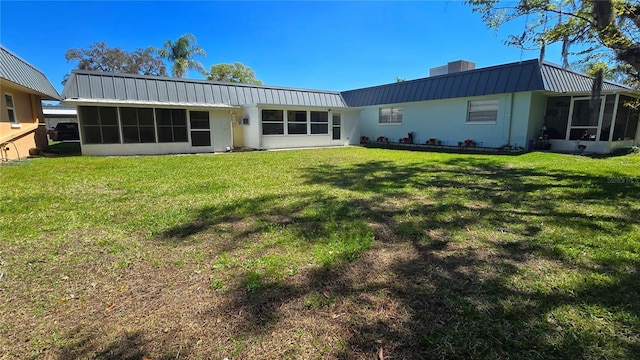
{"x":333,"y":253}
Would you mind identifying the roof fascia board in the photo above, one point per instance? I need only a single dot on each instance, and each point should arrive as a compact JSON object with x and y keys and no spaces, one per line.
{"x":28,"y":90}
{"x":284,"y":106}
{"x":115,"y":102}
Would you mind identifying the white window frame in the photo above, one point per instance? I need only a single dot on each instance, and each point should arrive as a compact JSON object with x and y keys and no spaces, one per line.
{"x":394,"y":117}
{"x":11,"y":110}
{"x":283,"y":122}
{"x":311,"y":122}
{"x":287,"y":122}
{"x":486,"y":105}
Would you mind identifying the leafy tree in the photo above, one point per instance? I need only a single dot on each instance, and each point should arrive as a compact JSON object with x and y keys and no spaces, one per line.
{"x":181,"y":54}
{"x":610,"y":27}
{"x":99,"y":56}
{"x":236,"y":72}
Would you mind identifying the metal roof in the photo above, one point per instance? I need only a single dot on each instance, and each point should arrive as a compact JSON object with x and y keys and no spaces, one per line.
{"x":527,"y":75}
{"x":59,"y":110}
{"x":561,"y":80}
{"x":20,"y":72}
{"x":106,"y":87}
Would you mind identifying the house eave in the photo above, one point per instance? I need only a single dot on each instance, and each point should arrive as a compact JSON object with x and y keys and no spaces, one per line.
{"x":117,"y":102}
{"x":290,"y":106}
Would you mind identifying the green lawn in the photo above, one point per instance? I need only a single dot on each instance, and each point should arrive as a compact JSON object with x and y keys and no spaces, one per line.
{"x":333,"y":253}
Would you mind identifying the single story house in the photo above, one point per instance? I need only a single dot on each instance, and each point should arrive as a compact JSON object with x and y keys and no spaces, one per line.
{"x":22,"y":87}
{"x":518,"y":105}
{"x":513,"y":104}
{"x":125,"y":114}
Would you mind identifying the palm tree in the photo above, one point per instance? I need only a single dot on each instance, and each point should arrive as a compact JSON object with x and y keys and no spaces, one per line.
{"x":181,"y":53}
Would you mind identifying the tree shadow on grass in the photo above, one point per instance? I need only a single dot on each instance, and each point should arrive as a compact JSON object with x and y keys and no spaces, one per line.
{"x":477,"y":234}
{"x":127,"y":346}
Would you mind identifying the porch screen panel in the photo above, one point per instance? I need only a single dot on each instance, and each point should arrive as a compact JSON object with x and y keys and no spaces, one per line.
{"x":584,"y":120}
{"x":99,"y":124}
{"x":557,"y":116}
{"x":585,"y":114}
{"x":171,"y":125}
{"x":137,"y":125}
{"x":609,"y":106}
{"x":626,"y":120}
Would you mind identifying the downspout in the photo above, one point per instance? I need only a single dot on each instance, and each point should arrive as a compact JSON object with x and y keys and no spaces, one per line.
{"x":510,"y":119}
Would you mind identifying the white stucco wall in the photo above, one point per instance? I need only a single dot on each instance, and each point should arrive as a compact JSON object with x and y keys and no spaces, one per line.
{"x":536,"y":115}
{"x":446,"y":120}
{"x":253,"y":137}
{"x":351,"y":127}
{"x":251,"y":132}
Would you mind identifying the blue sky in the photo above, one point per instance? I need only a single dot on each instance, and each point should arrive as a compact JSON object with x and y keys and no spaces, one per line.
{"x":331,"y":45}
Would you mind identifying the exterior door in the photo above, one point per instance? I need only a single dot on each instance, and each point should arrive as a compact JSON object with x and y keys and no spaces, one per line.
{"x":200,"y":131}
{"x":336,"y":122}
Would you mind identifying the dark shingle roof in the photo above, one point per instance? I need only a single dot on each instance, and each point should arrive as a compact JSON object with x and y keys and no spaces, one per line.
{"x":105,"y":86}
{"x":527,"y":75}
{"x":20,"y":72}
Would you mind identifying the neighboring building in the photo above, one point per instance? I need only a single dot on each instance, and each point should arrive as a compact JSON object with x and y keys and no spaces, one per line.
{"x":124,"y":114}
{"x":54,"y":114}
{"x":507,"y":105}
{"x":22,"y":87}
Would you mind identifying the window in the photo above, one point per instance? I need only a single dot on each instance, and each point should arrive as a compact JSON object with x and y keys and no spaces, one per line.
{"x":200,"y":133}
{"x":626,"y":120}
{"x":296,"y":122}
{"x":272,"y":122}
{"x":199,"y":119}
{"x":390,"y":116}
{"x":171,"y":125}
{"x":319,"y":122}
{"x":8,"y":99}
{"x":482,"y":111}
{"x":137,"y":125}
{"x":99,"y":124}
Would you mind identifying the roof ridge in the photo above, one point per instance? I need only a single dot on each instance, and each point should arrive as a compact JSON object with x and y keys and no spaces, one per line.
{"x":478,"y":70}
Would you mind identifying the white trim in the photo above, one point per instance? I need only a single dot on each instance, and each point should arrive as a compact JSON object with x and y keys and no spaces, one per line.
{"x":116,"y":102}
{"x":486,"y":103}
{"x":13,"y":109}
{"x":393,"y":118}
{"x":613,"y":118}
{"x":570,"y":125}
{"x":56,"y":112}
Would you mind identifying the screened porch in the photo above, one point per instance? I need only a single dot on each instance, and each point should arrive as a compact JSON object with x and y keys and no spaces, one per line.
{"x":574,"y":123}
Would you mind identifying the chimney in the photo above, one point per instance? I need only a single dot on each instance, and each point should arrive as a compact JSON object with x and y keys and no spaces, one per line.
{"x":452,"y":67}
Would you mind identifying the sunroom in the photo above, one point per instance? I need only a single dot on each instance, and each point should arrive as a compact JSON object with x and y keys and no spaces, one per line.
{"x":575,"y":123}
